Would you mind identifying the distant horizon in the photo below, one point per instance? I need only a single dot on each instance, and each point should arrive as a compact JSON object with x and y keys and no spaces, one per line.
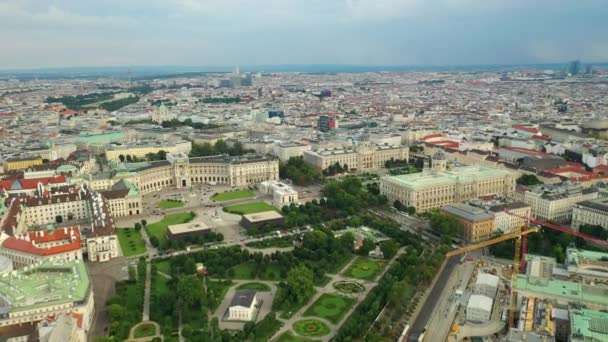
{"x":290,"y":67}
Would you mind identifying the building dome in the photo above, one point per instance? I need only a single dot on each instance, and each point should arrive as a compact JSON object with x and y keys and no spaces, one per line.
{"x":439,"y":155}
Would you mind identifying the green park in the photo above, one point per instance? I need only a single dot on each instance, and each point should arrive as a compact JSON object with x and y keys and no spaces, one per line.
{"x":170,"y":204}
{"x":249,"y":208}
{"x":158,"y":230}
{"x":310,"y":328}
{"x":131,"y":242}
{"x":365,"y":269}
{"x":330,"y":307}
{"x":233,"y":195}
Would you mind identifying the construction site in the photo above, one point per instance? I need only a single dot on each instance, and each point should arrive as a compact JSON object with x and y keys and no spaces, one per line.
{"x":528,"y":299}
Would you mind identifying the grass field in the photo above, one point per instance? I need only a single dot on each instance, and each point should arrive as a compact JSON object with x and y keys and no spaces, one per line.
{"x":232,"y":195}
{"x":163,"y":266}
{"x":245,"y":270}
{"x":288,"y":337}
{"x":364,"y":268}
{"x":311,"y":328}
{"x":145,"y":330}
{"x":249,"y":208}
{"x":170,"y":204}
{"x":159,"y":229}
{"x":254,"y":286}
{"x":272,"y":272}
{"x":131,"y":241}
{"x":330,"y":307}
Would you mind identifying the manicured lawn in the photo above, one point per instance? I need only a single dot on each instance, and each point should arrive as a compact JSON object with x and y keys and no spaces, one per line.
{"x":288,"y":337}
{"x":330,"y":307}
{"x":254,"y":286}
{"x":249,"y":208}
{"x":163,"y":266}
{"x":272,"y":272}
{"x":311,"y":328}
{"x":131,"y":241}
{"x":232,"y":195}
{"x":159,"y":229}
{"x":145,"y":330}
{"x":365,"y":268}
{"x":244,"y":271}
{"x":169,"y":204}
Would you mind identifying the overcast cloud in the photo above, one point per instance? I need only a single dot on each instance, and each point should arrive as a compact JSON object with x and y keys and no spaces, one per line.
{"x":46,"y":33}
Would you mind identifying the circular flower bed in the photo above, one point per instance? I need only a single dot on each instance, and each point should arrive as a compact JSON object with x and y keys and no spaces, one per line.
{"x":311,"y":328}
{"x":349,"y":287}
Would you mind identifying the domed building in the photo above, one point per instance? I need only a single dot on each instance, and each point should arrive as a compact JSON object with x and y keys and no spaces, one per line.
{"x":439,"y":161}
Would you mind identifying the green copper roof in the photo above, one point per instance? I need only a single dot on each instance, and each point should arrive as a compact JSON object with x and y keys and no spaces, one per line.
{"x":44,"y":285}
{"x":589,"y":325}
{"x":564,"y":290}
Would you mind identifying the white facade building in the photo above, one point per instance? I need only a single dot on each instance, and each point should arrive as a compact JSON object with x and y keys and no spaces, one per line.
{"x":282,"y":194}
{"x":242,"y":306}
{"x":284,"y":151}
{"x":554,"y":202}
{"x":479,"y":308}
{"x":591,"y":212}
{"x":486,"y":285}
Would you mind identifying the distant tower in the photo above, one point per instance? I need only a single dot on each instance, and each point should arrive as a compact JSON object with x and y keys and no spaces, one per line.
{"x":236,"y":70}
{"x":574,"y":67}
{"x":439,"y":161}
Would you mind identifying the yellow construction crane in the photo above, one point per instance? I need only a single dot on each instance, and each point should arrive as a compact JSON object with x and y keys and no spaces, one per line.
{"x":523,"y":231}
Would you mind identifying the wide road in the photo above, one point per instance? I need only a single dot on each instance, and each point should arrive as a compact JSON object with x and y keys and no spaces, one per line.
{"x":432,"y":299}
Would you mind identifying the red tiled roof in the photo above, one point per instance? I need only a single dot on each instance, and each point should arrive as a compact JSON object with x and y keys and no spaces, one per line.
{"x":600,"y":168}
{"x":526,"y":128}
{"x":10,"y":220}
{"x":21,"y":243}
{"x":541,"y":137}
{"x":31,"y":183}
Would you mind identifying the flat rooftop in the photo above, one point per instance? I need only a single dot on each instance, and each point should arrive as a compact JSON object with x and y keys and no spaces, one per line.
{"x":588,"y":324}
{"x":263,"y":216}
{"x":185,"y":228}
{"x":468,"y":212}
{"x":564,"y":290}
{"x":44,"y":285}
{"x":461,"y":174}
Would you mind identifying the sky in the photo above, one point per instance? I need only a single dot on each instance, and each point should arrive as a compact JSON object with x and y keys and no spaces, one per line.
{"x":76,"y":33}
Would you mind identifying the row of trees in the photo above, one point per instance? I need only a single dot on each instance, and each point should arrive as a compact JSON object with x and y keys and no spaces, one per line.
{"x":125,"y":306}
{"x":528,"y":180}
{"x":550,"y":242}
{"x":335,"y":169}
{"x":395,"y":288}
{"x":396,"y":163}
{"x":299,"y":172}
{"x":111,"y":106}
{"x":220,"y":100}
{"x":220,"y":147}
{"x":410,"y":210}
{"x":79,"y":102}
{"x":173,"y":123}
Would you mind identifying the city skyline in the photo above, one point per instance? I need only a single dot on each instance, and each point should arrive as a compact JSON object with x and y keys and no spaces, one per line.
{"x":391,"y":33}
